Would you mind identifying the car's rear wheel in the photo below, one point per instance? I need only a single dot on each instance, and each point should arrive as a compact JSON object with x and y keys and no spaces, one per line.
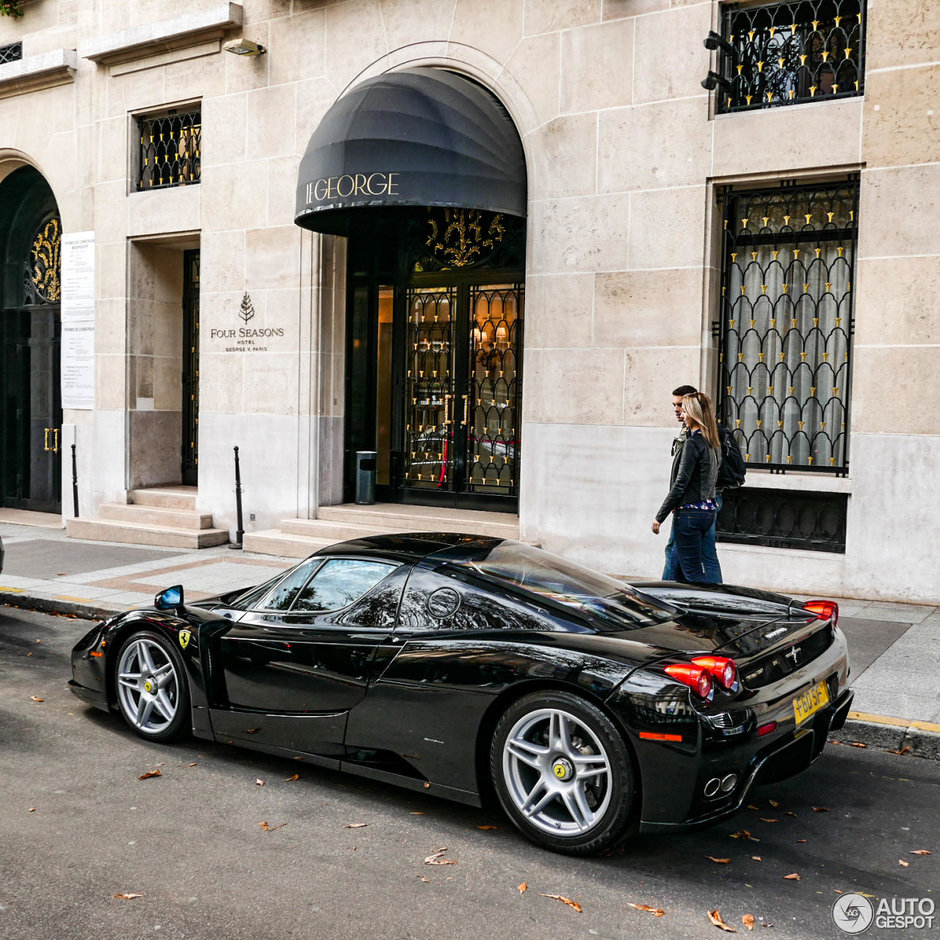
{"x":563,"y":773}
{"x":151,"y":688}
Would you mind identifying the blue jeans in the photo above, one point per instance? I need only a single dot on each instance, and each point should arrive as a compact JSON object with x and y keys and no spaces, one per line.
{"x":709,"y":552}
{"x":691,"y":529}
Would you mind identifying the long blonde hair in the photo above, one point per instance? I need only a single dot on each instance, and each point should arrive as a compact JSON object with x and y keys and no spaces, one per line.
{"x":698,"y":406}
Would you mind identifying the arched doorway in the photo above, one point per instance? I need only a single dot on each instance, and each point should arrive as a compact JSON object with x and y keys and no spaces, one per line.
{"x":30,"y":392}
{"x":423,"y":171}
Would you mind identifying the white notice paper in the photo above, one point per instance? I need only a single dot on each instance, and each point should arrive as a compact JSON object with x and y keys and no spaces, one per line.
{"x":78,"y":320}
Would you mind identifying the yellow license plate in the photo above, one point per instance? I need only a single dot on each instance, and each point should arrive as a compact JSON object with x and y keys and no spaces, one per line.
{"x":811,"y":701}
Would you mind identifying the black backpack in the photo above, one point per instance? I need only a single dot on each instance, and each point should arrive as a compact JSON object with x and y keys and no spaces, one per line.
{"x":732,"y":470}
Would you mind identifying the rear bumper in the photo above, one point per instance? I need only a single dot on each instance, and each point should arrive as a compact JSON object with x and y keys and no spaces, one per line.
{"x":783,"y":759}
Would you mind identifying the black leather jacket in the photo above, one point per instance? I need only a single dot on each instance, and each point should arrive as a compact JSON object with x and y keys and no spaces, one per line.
{"x":694,"y":473}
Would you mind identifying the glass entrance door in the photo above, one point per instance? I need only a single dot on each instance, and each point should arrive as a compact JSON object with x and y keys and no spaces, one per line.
{"x":462,"y":395}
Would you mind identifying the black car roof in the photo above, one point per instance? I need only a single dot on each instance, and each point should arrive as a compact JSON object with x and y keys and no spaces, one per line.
{"x":417,"y":546}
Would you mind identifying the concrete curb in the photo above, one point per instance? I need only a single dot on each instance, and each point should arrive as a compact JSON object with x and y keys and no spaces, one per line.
{"x":56,"y":605}
{"x":919,"y":738}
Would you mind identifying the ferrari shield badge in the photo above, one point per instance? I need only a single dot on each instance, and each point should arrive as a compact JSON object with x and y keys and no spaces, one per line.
{"x":185,"y":637}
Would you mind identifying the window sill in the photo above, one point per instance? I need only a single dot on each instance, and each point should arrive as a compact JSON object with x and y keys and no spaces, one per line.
{"x":37,"y":71}
{"x":795,"y":480}
{"x":139,"y":42}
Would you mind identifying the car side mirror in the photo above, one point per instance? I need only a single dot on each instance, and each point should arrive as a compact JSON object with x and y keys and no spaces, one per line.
{"x":169,"y":599}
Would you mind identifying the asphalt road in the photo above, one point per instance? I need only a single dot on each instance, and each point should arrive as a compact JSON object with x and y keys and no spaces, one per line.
{"x":343,"y":857}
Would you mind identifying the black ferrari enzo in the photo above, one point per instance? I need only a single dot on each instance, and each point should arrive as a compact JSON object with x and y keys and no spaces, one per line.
{"x":459,"y":665}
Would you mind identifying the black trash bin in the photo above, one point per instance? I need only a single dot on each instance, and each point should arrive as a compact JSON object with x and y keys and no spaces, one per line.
{"x":365,"y":477}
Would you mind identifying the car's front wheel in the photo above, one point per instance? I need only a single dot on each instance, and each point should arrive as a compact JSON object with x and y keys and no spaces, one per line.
{"x":563,"y":773}
{"x":151,"y":688}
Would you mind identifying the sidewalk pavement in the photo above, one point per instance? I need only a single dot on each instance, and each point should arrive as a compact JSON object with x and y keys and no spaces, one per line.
{"x":892,"y":647}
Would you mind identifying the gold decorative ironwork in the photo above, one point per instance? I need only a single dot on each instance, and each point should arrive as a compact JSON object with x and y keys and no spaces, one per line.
{"x":461,"y":237}
{"x":45,"y":267}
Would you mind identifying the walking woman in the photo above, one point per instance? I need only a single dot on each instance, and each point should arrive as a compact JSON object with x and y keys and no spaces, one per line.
{"x":692,"y":488}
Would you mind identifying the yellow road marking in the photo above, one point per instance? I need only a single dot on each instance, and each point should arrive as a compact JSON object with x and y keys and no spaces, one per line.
{"x":897,"y":722}
{"x":9,"y":590}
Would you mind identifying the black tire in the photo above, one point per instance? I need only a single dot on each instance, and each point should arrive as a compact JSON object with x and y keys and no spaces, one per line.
{"x":563,"y":773}
{"x":151,"y":687}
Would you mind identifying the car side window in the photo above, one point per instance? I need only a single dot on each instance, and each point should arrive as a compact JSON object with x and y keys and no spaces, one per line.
{"x":340,"y":582}
{"x":435,"y":601}
{"x":285,"y":591}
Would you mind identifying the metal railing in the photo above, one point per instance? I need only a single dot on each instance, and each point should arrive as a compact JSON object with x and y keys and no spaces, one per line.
{"x":784,"y":335}
{"x":170,"y":149}
{"x":789,"y":53}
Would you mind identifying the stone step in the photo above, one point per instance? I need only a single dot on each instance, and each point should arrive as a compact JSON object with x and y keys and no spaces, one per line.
{"x":393,"y":517}
{"x":276,"y":542}
{"x":155,"y":516}
{"x":165,"y":497}
{"x":103,"y":530}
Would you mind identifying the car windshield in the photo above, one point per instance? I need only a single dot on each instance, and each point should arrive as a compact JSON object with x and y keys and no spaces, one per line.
{"x":610,"y":604}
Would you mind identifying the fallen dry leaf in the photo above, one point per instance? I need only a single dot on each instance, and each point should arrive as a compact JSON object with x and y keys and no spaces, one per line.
{"x":757,"y":858}
{"x":820,"y":809}
{"x":563,"y":899}
{"x":715,"y":917}
{"x":355,"y":825}
{"x":289,"y":779}
{"x":260,"y":782}
{"x":752,"y":806}
{"x":36,"y":698}
{"x":252,"y":730}
{"x":418,"y":813}
{"x":921,"y":852}
{"x":718,"y":861}
{"x":764,"y":819}
{"x":487,"y":828}
{"x":32,"y":809}
{"x":655,"y":911}
{"x":268,"y":828}
{"x":523,"y":888}
{"x":127,"y":897}
{"x":904,"y":750}
{"x":774,"y":803}
{"x":802,"y":840}
{"x":905,"y":864}
{"x":791,"y":813}
{"x":192,"y":763}
{"x":793,"y":877}
{"x":149,"y":774}
{"x":857,"y":744}
{"x":744,"y":834}
{"x":748,"y":921}
{"x":438,"y":859}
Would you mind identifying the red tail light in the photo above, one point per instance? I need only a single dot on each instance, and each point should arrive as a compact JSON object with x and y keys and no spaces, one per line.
{"x":722,"y":668}
{"x":824,"y":610}
{"x":698,"y":679}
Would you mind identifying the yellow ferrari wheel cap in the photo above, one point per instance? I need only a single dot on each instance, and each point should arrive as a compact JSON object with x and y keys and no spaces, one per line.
{"x":148,"y":686}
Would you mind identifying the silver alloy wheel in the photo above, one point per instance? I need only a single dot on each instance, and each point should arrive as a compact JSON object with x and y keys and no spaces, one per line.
{"x":557,"y":773}
{"x":148,"y":686}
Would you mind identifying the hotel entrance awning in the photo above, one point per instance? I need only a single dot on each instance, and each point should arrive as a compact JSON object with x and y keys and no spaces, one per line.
{"x":419,"y":137}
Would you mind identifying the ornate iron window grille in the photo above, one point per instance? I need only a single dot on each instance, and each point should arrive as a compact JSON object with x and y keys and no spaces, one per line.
{"x":789,"y":53}
{"x":170,"y":149}
{"x":784,"y":337}
{"x":42,"y":272}
{"x":784,"y":519}
{"x":12,"y":52}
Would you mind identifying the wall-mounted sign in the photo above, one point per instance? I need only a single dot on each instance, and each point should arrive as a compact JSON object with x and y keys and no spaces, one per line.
{"x":246,"y":338}
{"x":77,"y":313}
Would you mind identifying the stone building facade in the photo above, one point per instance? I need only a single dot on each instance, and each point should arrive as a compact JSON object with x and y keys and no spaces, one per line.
{"x":770,"y":238}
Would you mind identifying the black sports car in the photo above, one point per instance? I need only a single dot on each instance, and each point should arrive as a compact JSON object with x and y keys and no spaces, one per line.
{"x":457,"y":664}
